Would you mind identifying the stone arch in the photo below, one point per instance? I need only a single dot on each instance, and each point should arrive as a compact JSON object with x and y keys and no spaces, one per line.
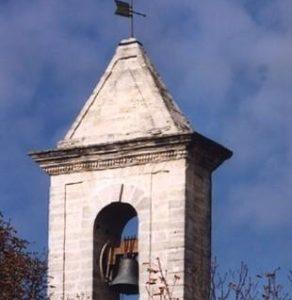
{"x":137,"y":201}
{"x":137,"y":197}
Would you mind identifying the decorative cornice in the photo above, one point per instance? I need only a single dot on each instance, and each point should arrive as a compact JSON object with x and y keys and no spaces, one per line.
{"x":118,"y":162}
{"x":193,"y":147}
{"x":113,"y":155}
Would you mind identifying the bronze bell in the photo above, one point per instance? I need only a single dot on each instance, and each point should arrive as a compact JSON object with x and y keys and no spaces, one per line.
{"x":126,"y":281}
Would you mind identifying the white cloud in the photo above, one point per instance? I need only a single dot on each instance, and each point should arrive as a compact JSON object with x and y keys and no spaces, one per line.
{"x":236,"y":66}
{"x":230,"y":65}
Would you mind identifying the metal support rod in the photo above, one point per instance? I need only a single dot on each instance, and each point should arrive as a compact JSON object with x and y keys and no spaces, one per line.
{"x":138,"y":13}
{"x":132,"y":19}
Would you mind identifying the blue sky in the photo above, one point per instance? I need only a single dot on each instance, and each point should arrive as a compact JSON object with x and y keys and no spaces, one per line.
{"x":226,"y":62}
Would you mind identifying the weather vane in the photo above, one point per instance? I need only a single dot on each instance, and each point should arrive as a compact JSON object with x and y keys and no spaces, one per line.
{"x":126,"y":9}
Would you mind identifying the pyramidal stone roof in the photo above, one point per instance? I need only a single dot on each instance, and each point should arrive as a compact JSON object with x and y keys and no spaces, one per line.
{"x":129,"y":102}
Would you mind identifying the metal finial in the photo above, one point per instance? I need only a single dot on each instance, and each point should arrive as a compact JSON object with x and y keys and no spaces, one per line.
{"x":126,"y":9}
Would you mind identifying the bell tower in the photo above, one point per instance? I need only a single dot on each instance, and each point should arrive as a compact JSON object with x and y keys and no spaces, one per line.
{"x":129,"y":153}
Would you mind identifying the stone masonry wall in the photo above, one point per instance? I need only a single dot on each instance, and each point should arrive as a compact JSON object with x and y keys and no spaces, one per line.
{"x":198,"y":233}
{"x":156,"y":191}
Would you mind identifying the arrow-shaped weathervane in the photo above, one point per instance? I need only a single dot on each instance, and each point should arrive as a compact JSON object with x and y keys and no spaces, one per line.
{"x":126,"y":9}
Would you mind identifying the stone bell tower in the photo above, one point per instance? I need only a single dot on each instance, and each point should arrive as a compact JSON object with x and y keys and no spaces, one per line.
{"x":130,"y":152}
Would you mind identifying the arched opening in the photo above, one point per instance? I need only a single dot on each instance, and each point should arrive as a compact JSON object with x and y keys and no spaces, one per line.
{"x":115,"y":239}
